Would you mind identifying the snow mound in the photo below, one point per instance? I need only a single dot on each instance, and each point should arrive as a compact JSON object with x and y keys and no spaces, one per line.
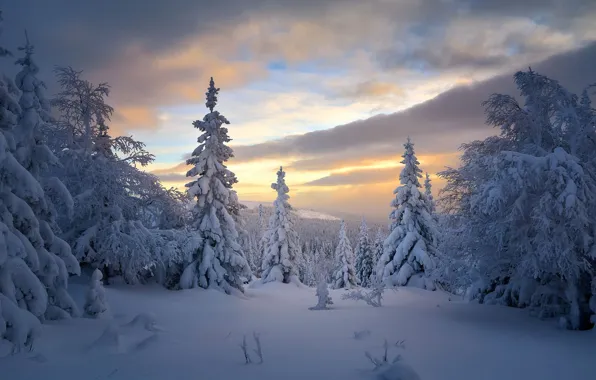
{"x":145,"y":320}
{"x":109,"y":340}
{"x":135,"y":335}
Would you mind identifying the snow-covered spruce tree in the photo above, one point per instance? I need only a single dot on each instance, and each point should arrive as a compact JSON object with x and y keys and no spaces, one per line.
{"x":281,"y":244}
{"x":23,"y":298}
{"x":525,"y":205}
{"x":409,"y":250}
{"x":428,"y":193}
{"x":322,"y":293}
{"x":96,"y":305}
{"x":378,"y":246}
{"x":321,"y":269}
{"x":345,"y":274}
{"x":220,"y":263}
{"x":309,"y":262}
{"x":364,"y":256}
{"x":55,"y":257}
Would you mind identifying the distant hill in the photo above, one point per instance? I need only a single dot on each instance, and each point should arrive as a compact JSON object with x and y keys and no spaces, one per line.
{"x":302,"y":213}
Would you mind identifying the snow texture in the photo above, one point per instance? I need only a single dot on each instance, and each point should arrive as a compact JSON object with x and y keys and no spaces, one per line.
{"x":194,"y":342}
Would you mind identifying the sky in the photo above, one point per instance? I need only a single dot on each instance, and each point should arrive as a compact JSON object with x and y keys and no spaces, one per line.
{"x":330,"y":89}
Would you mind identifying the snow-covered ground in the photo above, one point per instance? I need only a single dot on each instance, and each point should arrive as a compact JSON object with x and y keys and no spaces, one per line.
{"x":197,"y":335}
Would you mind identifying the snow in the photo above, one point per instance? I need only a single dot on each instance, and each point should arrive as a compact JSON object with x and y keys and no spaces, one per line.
{"x":443,"y":340}
{"x":311,"y":214}
{"x":299,"y":212}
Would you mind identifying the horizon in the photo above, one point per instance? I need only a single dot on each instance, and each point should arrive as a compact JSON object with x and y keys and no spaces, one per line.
{"x":330,"y":90}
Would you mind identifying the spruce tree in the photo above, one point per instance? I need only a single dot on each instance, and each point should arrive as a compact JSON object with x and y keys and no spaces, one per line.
{"x":364,"y":258}
{"x":281,"y":244}
{"x":345,"y":274}
{"x":220,"y":263}
{"x":54,"y":254}
{"x":377,"y":252}
{"x":428,"y":193}
{"x":23,"y":298}
{"x":409,"y":250}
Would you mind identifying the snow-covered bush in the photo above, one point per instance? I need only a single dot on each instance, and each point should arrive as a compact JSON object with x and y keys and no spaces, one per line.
{"x":410,"y":249}
{"x":322,"y":293}
{"x":220,"y":262}
{"x":345,"y":273}
{"x":372,"y":297}
{"x":280,"y":242}
{"x":96,"y":305}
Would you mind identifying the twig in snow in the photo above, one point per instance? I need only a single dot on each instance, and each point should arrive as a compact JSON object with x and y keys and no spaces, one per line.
{"x":258,"y":350}
{"x":384,"y":360}
{"x":244,"y":348}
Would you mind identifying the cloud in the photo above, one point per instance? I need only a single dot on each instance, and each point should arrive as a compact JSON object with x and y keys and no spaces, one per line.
{"x":371,"y":88}
{"x":234,"y":40}
{"x":449,"y":119}
{"x":377,"y":175}
{"x":358,"y":177}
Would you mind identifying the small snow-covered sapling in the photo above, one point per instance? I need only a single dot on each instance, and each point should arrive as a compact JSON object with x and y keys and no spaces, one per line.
{"x":323,"y":295}
{"x":96,"y":304}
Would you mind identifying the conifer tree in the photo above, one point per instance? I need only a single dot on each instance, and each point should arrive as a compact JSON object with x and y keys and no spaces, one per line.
{"x":23,"y":298}
{"x":377,"y":252}
{"x":54,"y":254}
{"x":428,"y":193}
{"x":364,"y":258}
{"x":409,"y":250}
{"x":345,"y":274}
{"x":220,"y":262}
{"x":281,"y":244}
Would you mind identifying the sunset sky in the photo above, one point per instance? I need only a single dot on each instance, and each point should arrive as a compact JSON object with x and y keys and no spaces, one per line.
{"x":330,"y":89}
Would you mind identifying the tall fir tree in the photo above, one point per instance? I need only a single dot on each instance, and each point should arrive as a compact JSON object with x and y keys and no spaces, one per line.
{"x":23,"y":298}
{"x":345,"y":273}
{"x":428,"y":193}
{"x":377,"y":252}
{"x":220,"y":263}
{"x":409,"y":250}
{"x":364,"y":256}
{"x":55,"y":256}
{"x":280,"y":242}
